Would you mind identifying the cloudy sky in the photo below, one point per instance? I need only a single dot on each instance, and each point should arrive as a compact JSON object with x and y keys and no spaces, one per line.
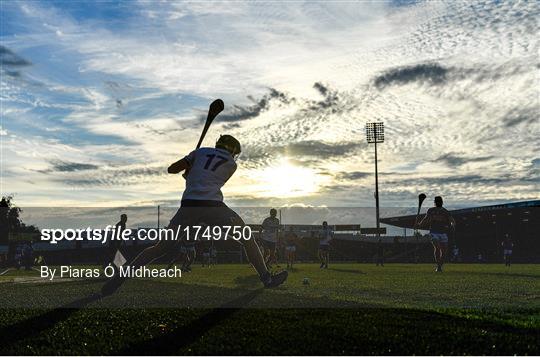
{"x":98,"y":98}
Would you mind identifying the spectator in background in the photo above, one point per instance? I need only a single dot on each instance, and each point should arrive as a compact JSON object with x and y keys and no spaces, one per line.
{"x":4,"y":226}
{"x":28,"y":256}
{"x":18,"y":256}
{"x":380,"y":253}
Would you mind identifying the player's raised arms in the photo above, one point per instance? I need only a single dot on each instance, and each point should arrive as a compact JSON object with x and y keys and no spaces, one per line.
{"x":178,"y":166}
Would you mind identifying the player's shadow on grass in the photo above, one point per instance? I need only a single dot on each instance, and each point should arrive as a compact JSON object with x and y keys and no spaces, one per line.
{"x":20,"y":330}
{"x":507,"y":274}
{"x":173,"y":341}
{"x":353,"y":271}
{"x":397,"y":330}
{"x":250,"y":281}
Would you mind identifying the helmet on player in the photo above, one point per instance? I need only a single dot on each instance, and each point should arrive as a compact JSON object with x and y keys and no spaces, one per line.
{"x":438,"y":201}
{"x":229,"y":143}
{"x":273,"y":212}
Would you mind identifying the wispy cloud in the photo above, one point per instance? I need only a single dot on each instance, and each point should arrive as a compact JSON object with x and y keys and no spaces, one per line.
{"x":518,"y":116}
{"x":240,"y":112}
{"x":104,"y":100}
{"x":9,"y":58}
{"x":11,"y":63}
{"x":114,"y":177}
{"x":63,"y":166}
{"x":431,"y":73}
{"x":456,"y":160}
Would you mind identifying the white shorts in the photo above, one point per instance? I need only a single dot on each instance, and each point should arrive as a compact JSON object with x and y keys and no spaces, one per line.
{"x":508,"y":252}
{"x":439,"y":237}
{"x":290,"y":248}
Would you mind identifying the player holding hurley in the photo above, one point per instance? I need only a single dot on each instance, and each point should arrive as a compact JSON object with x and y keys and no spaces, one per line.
{"x":207,"y":171}
{"x":439,"y":221}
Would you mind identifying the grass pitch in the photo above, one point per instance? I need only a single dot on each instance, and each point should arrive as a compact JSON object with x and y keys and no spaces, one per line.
{"x":347,"y":309}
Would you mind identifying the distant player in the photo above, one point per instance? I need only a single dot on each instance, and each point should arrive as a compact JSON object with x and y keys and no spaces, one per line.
{"x":439,"y":221}
{"x":115,"y":245}
{"x":210,"y":255}
{"x":206,"y":257}
{"x":508,"y":247}
{"x":269,"y":237}
{"x":213,"y":255}
{"x":186,"y":254}
{"x":480,"y":258}
{"x":455,"y":254}
{"x":290,"y":246}
{"x":325,"y":237}
{"x":207,"y":170}
{"x":190,"y":252}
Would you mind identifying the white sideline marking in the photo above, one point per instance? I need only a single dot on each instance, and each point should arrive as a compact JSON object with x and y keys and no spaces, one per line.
{"x":28,"y":280}
{"x":33,"y":279}
{"x":39,"y":280}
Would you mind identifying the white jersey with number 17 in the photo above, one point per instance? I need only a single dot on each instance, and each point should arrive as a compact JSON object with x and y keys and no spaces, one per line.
{"x":210,"y":169}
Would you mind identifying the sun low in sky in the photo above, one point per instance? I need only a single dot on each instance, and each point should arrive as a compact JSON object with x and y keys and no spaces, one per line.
{"x":285,"y":180}
{"x":98,"y":98}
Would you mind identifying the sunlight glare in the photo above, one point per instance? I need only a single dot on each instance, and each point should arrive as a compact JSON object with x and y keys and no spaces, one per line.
{"x":287,"y":180}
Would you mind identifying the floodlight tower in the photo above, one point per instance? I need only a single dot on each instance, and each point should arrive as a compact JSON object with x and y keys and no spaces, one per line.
{"x":375,"y":135}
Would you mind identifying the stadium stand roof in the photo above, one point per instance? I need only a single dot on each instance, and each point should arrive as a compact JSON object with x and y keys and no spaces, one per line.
{"x":527,"y":211}
{"x":481,"y":230}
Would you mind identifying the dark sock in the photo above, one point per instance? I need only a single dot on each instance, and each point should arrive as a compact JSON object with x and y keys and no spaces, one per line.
{"x":264,"y":278}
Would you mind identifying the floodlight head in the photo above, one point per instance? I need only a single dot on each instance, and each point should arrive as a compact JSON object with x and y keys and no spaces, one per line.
{"x":375,"y":132}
